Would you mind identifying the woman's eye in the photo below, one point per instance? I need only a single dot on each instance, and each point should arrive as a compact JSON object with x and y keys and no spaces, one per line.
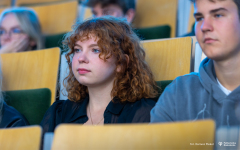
{"x":16,"y":31}
{"x":96,"y":51}
{"x":2,"y":32}
{"x":76,"y":50}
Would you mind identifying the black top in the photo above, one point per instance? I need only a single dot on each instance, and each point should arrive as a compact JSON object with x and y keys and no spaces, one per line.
{"x":11,"y":117}
{"x":66,"y":111}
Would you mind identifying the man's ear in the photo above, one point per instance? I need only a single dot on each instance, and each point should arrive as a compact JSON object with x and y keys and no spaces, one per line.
{"x":130,"y":15}
{"x":127,"y":58}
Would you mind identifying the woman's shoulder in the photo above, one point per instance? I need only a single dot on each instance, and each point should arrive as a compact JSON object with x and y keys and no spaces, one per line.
{"x":144,"y":102}
{"x":61,"y":111}
{"x":138,"y":111}
{"x":61,"y":105}
{"x":11,"y":117}
{"x":140,"y":106}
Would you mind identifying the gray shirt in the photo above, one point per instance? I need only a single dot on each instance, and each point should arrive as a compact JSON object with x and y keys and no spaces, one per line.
{"x":198,"y":96}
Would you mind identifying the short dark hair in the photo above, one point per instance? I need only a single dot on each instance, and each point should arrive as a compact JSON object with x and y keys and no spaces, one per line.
{"x":125,"y":5}
{"x":237,"y":2}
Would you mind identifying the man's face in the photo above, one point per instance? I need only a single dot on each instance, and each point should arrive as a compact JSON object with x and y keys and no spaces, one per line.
{"x":111,"y":9}
{"x":217,"y":28}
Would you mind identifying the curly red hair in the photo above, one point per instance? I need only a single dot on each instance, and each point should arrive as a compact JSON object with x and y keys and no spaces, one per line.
{"x":115,"y":38}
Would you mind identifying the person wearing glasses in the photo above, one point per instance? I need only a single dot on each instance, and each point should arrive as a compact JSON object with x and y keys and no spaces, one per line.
{"x":20,"y":31}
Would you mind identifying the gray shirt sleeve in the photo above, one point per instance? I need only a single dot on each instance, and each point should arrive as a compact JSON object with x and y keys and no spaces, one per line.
{"x":164,"y":110}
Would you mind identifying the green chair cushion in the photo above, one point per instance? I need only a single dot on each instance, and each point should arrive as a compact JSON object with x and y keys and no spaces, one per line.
{"x":54,"y":40}
{"x":158,"y":32}
{"x":31,"y":103}
{"x":162,"y":85}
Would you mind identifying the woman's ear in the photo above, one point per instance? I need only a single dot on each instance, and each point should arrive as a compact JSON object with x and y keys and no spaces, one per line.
{"x":119,"y":67}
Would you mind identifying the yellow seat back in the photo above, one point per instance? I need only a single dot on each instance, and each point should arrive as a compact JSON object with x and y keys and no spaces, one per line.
{"x":56,"y":18}
{"x":31,"y":70}
{"x":5,"y":3}
{"x":24,"y":138}
{"x":169,"y":58}
{"x":172,"y":136}
{"x":31,"y":2}
{"x":156,"y":12}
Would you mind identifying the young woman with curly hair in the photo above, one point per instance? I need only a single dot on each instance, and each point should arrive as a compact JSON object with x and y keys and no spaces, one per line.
{"x":109,"y":80}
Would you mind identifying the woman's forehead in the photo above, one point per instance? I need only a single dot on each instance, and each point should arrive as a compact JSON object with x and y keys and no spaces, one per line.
{"x":84,"y":37}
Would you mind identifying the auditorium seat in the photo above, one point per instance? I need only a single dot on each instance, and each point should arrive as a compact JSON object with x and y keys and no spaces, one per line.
{"x":54,"y":40}
{"x":31,"y":70}
{"x":5,"y":3}
{"x":2,"y":9}
{"x":168,"y":58}
{"x":32,"y":104}
{"x":157,"y":32}
{"x":24,"y":138}
{"x":156,"y":12}
{"x":35,"y":2}
{"x":191,"y":19}
{"x":56,"y":18}
{"x":172,"y":136}
{"x":197,"y":55}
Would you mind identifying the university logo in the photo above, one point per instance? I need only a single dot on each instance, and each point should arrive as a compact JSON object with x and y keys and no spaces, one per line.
{"x":220,"y":143}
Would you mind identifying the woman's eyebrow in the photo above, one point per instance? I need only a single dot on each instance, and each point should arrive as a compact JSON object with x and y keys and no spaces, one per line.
{"x":77,"y":45}
{"x":15,"y":27}
{"x":93,"y":45}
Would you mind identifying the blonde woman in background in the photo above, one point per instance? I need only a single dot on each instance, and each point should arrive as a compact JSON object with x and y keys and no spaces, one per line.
{"x":20,"y":30}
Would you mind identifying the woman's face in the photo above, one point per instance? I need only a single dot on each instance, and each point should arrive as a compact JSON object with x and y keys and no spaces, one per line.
{"x":10,"y":30}
{"x":88,"y":68}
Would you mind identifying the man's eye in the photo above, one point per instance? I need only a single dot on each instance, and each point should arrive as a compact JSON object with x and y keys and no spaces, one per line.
{"x":199,"y":18}
{"x":107,"y":12}
{"x":218,"y":15}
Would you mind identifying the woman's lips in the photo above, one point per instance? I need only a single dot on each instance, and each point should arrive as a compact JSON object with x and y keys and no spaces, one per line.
{"x":83,"y":71}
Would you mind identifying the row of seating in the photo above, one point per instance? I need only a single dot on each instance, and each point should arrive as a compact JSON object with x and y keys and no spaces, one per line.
{"x":187,"y":135}
{"x":33,"y":75}
{"x":148,"y":16}
{"x":156,"y":13}
{"x":9,"y":3}
{"x":56,"y":18}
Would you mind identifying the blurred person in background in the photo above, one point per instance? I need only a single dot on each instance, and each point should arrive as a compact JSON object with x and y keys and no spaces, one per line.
{"x":20,"y":31}
{"x":115,"y":8}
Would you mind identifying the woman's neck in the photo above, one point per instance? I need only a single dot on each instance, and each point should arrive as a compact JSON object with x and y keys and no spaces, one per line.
{"x":100,"y":96}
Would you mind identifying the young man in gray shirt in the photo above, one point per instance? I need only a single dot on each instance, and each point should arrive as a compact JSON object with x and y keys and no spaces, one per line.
{"x":214,"y":92}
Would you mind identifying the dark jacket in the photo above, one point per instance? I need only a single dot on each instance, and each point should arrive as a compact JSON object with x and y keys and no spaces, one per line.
{"x":66,"y":111}
{"x":11,"y":117}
